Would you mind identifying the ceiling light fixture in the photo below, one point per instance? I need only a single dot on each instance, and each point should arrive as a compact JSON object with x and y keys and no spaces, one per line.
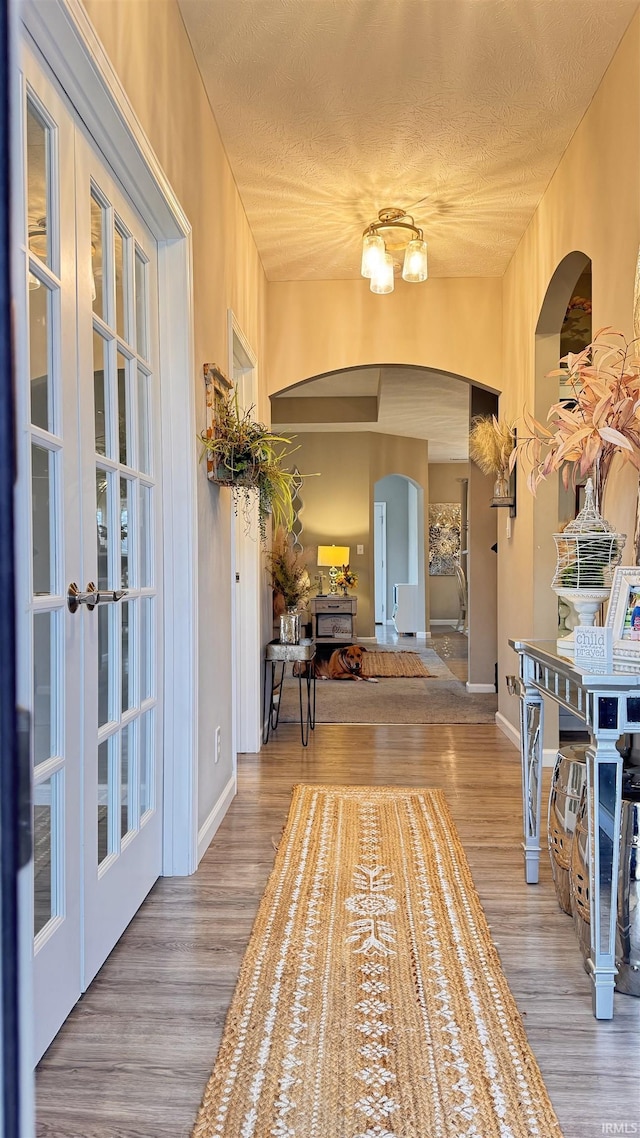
{"x":394,"y":232}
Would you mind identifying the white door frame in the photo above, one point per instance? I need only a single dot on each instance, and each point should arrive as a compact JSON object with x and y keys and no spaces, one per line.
{"x":246,"y":622}
{"x":68,"y":43}
{"x":380,"y":562}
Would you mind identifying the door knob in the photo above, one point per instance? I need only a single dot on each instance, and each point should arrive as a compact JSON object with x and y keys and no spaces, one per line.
{"x":92,"y":597}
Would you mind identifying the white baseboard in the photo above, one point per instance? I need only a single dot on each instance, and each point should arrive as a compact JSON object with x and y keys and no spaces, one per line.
{"x":451,"y":622}
{"x":481,"y":689}
{"x":513,"y":734}
{"x":423,"y":635}
{"x":212,"y":821}
{"x":507,"y":728}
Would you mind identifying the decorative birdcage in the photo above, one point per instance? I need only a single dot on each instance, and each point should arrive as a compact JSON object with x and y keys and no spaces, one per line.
{"x":588,"y":550}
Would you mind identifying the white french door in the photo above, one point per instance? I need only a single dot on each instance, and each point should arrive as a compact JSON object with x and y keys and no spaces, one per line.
{"x":89,"y":507}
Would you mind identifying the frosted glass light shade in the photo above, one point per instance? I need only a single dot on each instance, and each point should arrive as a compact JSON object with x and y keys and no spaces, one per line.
{"x":382,"y":281}
{"x":372,"y":254}
{"x":337,"y":555}
{"x":414,"y":269}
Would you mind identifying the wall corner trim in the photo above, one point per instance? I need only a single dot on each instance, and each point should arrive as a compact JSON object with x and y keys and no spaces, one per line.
{"x":209,"y":827}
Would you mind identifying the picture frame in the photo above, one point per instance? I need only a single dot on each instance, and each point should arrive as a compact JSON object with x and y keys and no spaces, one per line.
{"x":622,"y":615}
{"x":217,"y":386}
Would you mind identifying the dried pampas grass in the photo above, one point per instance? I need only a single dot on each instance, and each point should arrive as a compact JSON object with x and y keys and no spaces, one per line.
{"x":491,"y":442}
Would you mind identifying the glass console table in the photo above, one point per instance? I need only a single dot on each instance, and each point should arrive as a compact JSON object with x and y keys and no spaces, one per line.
{"x":608,"y":705}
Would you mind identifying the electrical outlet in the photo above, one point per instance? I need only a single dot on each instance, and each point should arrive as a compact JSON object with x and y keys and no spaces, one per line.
{"x":360,"y":549}
{"x":217,"y":751}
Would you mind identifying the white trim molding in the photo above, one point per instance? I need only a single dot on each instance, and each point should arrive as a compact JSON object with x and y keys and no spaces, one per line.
{"x":481,"y":689}
{"x":211,"y":824}
{"x":69,"y":45}
{"x":506,"y":726}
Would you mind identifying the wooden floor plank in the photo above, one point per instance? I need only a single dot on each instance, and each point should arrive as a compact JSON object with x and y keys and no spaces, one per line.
{"x":134,"y":1056}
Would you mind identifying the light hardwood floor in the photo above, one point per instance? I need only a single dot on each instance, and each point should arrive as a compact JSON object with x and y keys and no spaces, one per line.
{"x":134,"y":1056}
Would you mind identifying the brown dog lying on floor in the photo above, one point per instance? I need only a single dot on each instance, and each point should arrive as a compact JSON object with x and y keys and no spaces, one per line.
{"x":344,"y":664}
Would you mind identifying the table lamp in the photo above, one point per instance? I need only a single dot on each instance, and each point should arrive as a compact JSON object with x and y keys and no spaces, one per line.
{"x":335,"y":556}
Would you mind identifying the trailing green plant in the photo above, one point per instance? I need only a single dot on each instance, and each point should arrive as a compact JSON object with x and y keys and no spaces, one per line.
{"x":288,"y":571}
{"x":247,"y":456}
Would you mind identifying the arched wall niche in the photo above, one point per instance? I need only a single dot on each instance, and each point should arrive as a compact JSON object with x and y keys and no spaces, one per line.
{"x":552,"y":505}
{"x":546,"y":513}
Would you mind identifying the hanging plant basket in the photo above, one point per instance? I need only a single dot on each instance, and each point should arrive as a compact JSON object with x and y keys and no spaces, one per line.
{"x":226,"y":474}
{"x":245,"y":455}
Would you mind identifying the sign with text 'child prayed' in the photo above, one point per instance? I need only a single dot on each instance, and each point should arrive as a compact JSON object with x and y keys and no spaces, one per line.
{"x":593,"y":648}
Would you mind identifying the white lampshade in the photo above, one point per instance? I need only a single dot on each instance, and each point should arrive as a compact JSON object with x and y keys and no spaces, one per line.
{"x":372,"y":254}
{"x":382,"y":282}
{"x":414,"y":269}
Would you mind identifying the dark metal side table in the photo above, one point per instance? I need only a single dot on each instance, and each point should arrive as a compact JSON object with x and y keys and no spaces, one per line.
{"x":277,"y":654}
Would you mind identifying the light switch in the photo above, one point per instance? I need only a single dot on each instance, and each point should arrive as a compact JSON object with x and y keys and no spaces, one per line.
{"x":359,"y":548}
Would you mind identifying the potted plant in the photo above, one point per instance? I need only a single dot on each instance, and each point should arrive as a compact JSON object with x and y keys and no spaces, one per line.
{"x":291,"y":584}
{"x":599,"y":419}
{"x":246,"y":456}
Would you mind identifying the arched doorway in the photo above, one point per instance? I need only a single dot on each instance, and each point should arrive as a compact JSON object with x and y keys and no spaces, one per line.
{"x":338,"y":415}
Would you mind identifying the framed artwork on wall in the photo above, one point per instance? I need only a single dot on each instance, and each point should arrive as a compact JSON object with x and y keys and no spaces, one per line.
{"x":445,"y":523}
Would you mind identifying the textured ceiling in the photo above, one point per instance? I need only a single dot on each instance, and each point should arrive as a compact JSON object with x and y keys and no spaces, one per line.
{"x":414,"y":402}
{"x":332,"y":109}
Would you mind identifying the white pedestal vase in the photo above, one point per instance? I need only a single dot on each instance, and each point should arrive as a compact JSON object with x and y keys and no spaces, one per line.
{"x":586,"y":602}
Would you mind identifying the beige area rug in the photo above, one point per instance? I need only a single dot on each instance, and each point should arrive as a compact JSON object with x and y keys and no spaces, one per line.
{"x":397,"y":664}
{"x":371,"y":1002}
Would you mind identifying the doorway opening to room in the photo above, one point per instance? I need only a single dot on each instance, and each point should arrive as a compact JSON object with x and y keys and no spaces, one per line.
{"x":399,"y":561}
{"x":390,"y":444}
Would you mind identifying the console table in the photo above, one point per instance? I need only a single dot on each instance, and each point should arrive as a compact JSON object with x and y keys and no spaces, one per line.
{"x":333,"y":618}
{"x":608,"y":705}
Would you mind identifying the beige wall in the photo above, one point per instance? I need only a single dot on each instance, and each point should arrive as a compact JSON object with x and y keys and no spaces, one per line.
{"x":319,"y":326}
{"x":338,"y":505}
{"x":445,"y":487}
{"x":592,"y":205}
{"x":150,"y":51}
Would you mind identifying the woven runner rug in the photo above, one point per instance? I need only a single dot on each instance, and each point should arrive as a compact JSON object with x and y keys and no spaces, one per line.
{"x":403,"y":664}
{"x":371,"y":1002}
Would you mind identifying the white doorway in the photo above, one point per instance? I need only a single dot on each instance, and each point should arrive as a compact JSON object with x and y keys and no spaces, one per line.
{"x":89,"y":508}
{"x":380,"y":561}
{"x":401,"y":501}
{"x":248,"y":577}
